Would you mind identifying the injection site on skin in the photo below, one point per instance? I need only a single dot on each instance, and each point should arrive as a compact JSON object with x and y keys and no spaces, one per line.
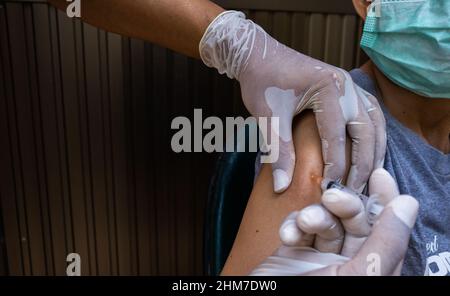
{"x":277,"y":81}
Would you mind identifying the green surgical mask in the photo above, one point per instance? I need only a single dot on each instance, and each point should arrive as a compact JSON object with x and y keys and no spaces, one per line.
{"x":409,"y":41}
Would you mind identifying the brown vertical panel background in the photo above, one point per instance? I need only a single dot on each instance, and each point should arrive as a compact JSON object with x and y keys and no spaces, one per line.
{"x":85,"y":159}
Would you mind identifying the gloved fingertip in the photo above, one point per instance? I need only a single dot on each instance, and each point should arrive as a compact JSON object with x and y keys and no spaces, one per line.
{"x":405,"y":208}
{"x":334,"y":195}
{"x":289,"y":233}
{"x":311,"y":217}
{"x":341,"y":204}
{"x":281,"y":180}
{"x":384,"y":185}
{"x":381,"y":172}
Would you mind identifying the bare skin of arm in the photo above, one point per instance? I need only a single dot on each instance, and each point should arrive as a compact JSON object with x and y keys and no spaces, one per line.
{"x":258,"y":233}
{"x":175,"y":24}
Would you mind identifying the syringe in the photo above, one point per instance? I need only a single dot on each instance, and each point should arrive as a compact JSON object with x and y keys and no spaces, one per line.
{"x":372,"y":206}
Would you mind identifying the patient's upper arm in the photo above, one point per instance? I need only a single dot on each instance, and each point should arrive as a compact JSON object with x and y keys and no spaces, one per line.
{"x":258,"y":234}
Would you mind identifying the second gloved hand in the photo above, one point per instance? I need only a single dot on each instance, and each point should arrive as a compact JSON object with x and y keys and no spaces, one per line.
{"x":334,"y":237}
{"x":277,"y":81}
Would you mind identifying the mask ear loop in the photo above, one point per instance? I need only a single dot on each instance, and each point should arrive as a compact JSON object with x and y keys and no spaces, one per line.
{"x":374,"y":9}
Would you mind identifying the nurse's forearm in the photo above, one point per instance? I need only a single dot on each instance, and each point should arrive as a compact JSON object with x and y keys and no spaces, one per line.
{"x":175,"y":24}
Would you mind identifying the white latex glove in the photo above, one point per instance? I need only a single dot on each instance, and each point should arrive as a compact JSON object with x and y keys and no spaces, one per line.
{"x":334,"y":238}
{"x":277,"y":81}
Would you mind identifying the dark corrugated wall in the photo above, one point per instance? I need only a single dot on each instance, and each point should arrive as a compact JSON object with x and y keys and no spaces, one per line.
{"x":85,"y":158}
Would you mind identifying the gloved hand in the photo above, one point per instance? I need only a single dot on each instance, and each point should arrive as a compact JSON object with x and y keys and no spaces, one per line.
{"x":334,"y":238}
{"x":277,"y":81}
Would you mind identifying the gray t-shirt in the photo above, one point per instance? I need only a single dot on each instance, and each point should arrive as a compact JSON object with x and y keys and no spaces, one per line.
{"x":423,"y":172}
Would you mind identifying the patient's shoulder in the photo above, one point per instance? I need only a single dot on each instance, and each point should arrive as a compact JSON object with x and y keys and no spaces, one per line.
{"x":258,"y":233}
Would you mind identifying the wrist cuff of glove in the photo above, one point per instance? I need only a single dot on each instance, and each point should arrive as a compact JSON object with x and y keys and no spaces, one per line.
{"x":227,"y":43}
